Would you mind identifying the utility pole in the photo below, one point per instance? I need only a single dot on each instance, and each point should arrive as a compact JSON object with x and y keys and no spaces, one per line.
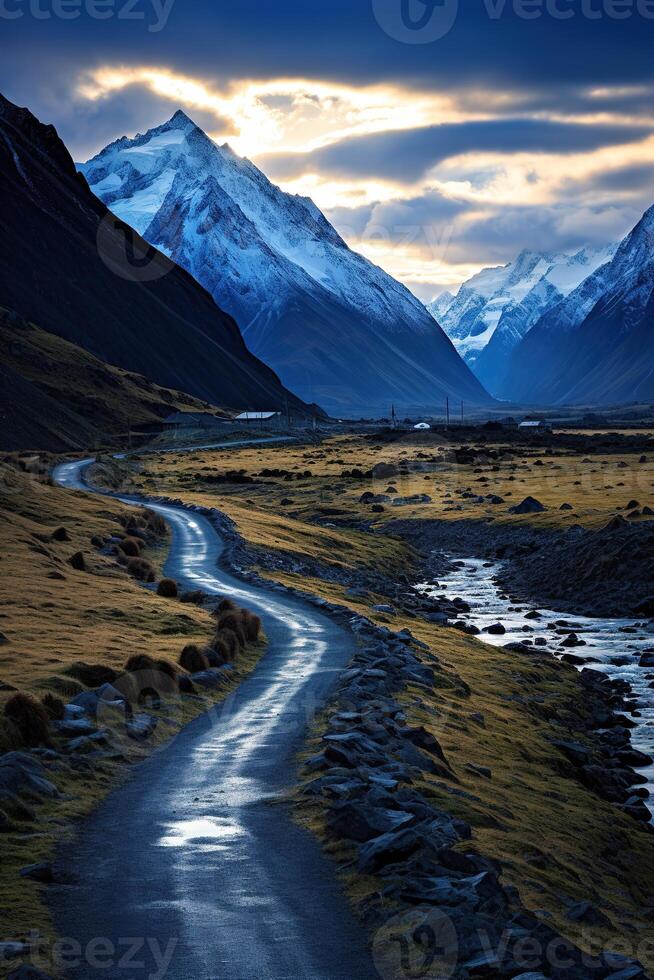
{"x":393,"y":418}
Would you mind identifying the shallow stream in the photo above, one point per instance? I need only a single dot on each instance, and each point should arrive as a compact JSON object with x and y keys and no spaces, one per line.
{"x":614,"y":646}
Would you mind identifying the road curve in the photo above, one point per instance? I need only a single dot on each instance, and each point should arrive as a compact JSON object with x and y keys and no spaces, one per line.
{"x":196,"y":856}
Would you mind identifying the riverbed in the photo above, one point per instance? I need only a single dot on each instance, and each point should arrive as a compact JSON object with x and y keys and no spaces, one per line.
{"x":613,"y":646}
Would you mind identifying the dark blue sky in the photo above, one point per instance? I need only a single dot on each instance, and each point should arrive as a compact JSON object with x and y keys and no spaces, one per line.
{"x":530,"y":117}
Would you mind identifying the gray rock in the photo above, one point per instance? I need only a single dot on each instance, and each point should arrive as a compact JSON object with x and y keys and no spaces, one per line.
{"x":588,"y":914}
{"x":528,"y":506}
{"x":38,"y":872}
{"x":22,"y":775}
{"x":141,"y":727}
{"x":361,"y":822}
{"x":575,"y":751}
{"x":75,"y":727}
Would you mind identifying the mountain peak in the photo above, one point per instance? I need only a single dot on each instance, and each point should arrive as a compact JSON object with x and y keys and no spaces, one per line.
{"x":179,"y":120}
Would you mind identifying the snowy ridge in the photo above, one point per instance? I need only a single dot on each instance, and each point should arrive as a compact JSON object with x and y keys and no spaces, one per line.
{"x":335,"y":327}
{"x":494,"y":310}
{"x":597,"y":344}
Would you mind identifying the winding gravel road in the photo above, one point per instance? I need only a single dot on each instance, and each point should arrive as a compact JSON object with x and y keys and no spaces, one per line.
{"x":196,"y":858}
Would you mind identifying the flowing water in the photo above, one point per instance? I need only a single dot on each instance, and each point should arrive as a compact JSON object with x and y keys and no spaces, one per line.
{"x":613,"y":646}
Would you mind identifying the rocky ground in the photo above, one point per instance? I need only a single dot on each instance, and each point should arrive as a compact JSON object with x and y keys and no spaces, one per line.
{"x":609,"y":572}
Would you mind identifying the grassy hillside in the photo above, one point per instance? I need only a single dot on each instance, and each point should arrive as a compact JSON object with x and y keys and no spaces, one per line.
{"x":56,"y":396}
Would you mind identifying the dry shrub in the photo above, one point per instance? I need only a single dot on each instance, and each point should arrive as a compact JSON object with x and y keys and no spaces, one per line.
{"x":234,"y":622}
{"x":167,"y":588}
{"x":193,"y":659}
{"x":54,"y":706}
{"x":251,"y":625}
{"x":30,"y":718}
{"x":61,"y":534}
{"x":141,"y":569}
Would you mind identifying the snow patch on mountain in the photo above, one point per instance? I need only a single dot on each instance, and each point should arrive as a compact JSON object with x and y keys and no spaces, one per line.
{"x":494,"y":310}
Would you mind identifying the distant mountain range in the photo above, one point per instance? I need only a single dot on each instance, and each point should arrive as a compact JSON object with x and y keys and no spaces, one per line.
{"x":60,"y":252}
{"x":553,"y":329}
{"x":337,"y":329}
{"x":494,"y":310}
{"x":597,"y":345}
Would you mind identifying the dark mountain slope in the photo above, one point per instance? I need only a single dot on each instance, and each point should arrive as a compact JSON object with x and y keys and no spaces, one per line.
{"x":338,"y":329}
{"x":56,"y":396}
{"x":59,"y":253}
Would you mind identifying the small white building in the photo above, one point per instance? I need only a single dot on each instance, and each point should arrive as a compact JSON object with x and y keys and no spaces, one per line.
{"x":257,"y":416}
{"x":535,"y":424}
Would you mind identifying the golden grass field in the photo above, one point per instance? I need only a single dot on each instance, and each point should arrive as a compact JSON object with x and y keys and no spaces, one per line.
{"x":52,"y":619}
{"x":596,"y":487}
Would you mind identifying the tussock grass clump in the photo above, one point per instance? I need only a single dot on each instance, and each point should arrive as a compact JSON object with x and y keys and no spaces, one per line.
{"x":61,"y":534}
{"x":225,"y":605}
{"x":233,"y":621}
{"x":54,"y":706}
{"x":167,"y":588}
{"x":221,"y":649}
{"x":251,"y":625}
{"x":139,"y":661}
{"x":168,"y":669}
{"x":195,"y":598}
{"x":229,"y":638}
{"x":92,"y":675}
{"x":215,"y":657}
{"x":29,"y":717}
{"x":67,"y":687}
{"x":193,"y":659}
{"x":141,"y":569}
{"x":131,"y":547}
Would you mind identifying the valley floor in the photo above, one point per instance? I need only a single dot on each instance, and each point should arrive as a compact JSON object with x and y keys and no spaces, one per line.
{"x":352,"y":522}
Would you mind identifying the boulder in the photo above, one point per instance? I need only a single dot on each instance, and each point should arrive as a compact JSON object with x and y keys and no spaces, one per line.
{"x":528,"y":506}
{"x":23,"y":775}
{"x":361,"y":822}
{"x":38,"y":872}
{"x":497,"y":629}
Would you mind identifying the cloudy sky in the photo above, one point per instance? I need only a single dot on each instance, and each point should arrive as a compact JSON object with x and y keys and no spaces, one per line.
{"x":439,"y":137}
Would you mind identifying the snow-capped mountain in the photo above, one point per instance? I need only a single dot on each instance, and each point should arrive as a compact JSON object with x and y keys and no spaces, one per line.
{"x":331,"y":323}
{"x":75,"y":280}
{"x":494,"y":310}
{"x":597,"y":345}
